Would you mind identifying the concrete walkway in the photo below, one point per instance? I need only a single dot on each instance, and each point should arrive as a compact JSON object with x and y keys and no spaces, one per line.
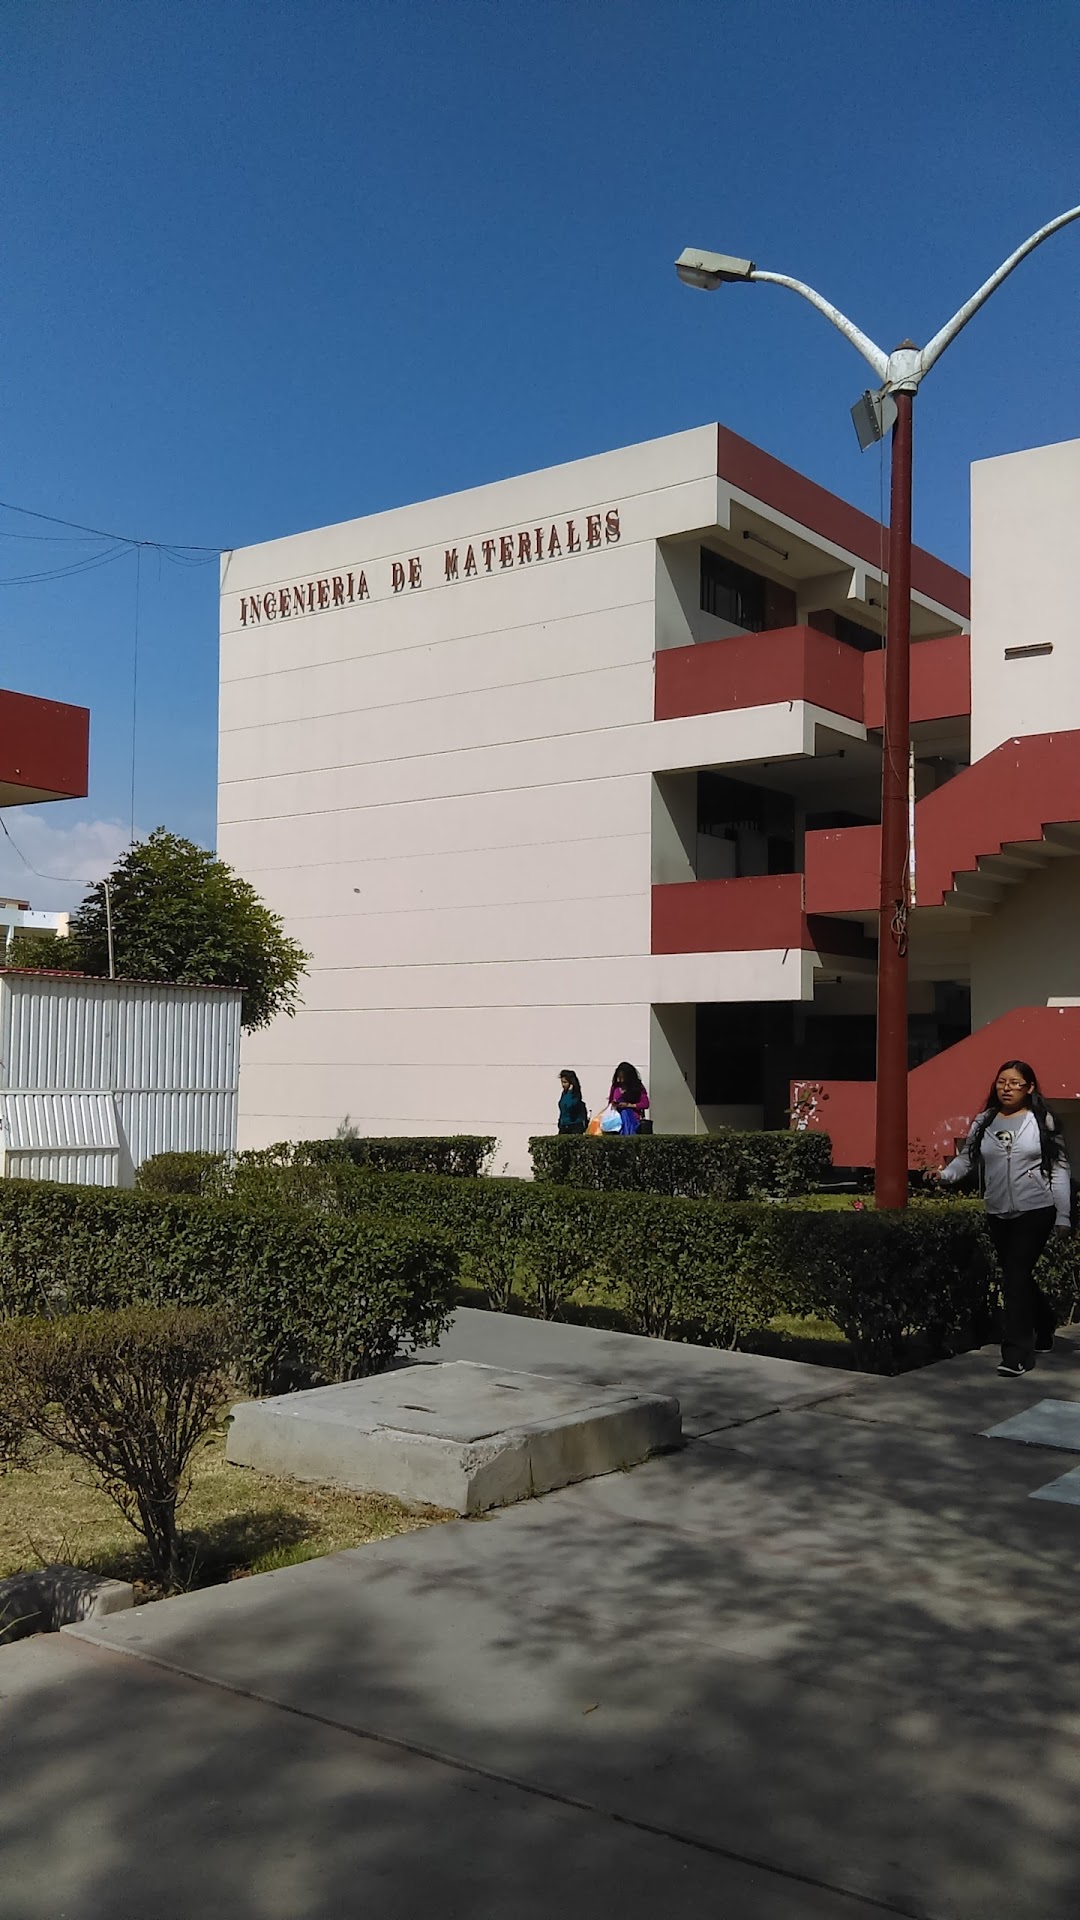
{"x":818,"y":1664}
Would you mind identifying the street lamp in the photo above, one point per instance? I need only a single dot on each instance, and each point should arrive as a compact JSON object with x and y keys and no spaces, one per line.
{"x":900,"y":375}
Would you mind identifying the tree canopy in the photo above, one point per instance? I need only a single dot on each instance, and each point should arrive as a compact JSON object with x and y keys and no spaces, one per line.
{"x":181,"y":914}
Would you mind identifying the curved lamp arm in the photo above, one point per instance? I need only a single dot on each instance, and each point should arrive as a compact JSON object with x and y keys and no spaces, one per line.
{"x":936,"y":347}
{"x":878,"y":360}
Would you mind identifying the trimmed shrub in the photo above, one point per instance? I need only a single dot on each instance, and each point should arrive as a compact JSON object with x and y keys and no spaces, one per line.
{"x":463,"y":1155}
{"x":482,"y":1217}
{"x":712,"y":1166}
{"x":313,"y":1298}
{"x":172,"y":1173}
{"x":880,"y":1277}
{"x":131,"y":1393}
{"x":711,"y":1270}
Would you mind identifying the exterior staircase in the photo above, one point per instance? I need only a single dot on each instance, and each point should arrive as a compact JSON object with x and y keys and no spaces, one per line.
{"x":983,"y":831}
{"x":945,"y":1093}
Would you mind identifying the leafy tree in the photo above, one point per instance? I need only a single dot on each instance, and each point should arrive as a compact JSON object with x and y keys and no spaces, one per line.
{"x":48,"y":951}
{"x":179,"y":913}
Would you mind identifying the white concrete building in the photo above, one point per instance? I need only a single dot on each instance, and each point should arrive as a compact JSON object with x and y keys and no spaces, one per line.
{"x":533,"y":771}
{"x":585,"y":765}
{"x":17,"y":916}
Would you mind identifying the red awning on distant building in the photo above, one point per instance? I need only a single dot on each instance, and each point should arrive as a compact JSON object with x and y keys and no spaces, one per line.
{"x":44,"y":750}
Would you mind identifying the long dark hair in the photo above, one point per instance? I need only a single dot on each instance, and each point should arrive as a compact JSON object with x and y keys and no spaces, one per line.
{"x":1050,"y":1141}
{"x":629,"y":1079}
{"x":567,"y":1073}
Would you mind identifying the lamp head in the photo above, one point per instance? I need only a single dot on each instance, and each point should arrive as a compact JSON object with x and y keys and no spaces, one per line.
{"x":697,"y":268}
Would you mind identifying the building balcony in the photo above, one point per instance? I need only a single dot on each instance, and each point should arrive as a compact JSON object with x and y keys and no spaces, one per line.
{"x":940,"y":682}
{"x":759,"y":670}
{"x":799,"y":663}
{"x":760,"y":913}
{"x":44,"y":750}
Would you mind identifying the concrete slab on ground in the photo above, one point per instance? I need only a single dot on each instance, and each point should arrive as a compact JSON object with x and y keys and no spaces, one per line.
{"x":457,"y":1434}
{"x":47,"y":1598}
{"x":1049,"y":1423}
{"x":714,"y":1388}
{"x":1064,"y":1491}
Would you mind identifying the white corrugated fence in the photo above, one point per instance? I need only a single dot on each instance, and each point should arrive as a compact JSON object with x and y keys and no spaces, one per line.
{"x":97,"y":1075}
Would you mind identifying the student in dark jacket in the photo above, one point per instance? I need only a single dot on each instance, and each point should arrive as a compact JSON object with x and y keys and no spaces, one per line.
{"x":573,"y":1113}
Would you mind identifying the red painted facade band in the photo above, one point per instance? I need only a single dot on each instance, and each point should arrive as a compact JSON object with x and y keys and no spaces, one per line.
{"x":759,"y":670}
{"x":758,"y":914}
{"x":799,"y":663}
{"x":728,"y":916}
{"x":44,"y":746}
{"x":780,"y":487}
{"x":843,"y":869}
{"x":940,"y":681}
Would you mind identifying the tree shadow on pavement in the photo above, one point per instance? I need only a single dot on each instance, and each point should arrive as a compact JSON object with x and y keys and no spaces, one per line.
{"x":818,"y":1665}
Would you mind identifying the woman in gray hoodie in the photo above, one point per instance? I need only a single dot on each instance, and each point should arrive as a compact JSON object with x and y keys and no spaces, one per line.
{"x":1017,"y":1155}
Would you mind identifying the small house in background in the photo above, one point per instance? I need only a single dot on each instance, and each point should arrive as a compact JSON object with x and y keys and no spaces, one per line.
{"x":17,"y":916}
{"x":96,"y":1075}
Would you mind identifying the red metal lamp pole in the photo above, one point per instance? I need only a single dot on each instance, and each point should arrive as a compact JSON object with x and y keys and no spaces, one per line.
{"x":891,"y":1144}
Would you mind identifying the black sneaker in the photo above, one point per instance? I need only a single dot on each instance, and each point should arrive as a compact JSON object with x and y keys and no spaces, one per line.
{"x":1045,"y":1344}
{"x":1014,"y":1368}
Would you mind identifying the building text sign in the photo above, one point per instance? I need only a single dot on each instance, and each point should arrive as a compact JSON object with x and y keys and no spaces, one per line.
{"x":382,"y":580}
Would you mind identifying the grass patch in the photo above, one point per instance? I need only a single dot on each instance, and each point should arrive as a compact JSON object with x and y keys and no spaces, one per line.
{"x":788,"y":1337}
{"x":235,"y":1521}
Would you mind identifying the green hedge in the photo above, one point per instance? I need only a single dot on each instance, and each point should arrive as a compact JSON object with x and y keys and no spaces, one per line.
{"x":713,"y":1166}
{"x":713,"y":1271}
{"x":316,"y":1297}
{"x":709,"y":1270}
{"x":173,"y":1173}
{"x":461,"y":1155}
{"x":659,"y":1260}
{"x":464,"y":1156}
{"x":484,"y":1218}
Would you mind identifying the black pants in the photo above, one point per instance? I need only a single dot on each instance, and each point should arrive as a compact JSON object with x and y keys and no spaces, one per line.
{"x":1028,"y":1315}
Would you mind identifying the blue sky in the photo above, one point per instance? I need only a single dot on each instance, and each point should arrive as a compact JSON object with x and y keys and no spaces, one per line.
{"x":266,"y":267}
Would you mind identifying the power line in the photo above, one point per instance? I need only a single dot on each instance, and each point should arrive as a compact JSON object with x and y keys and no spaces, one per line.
{"x":50,"y":539}
{"x":125,"y":539}
{"x":61,"y":879}
{"x":86,"y":564}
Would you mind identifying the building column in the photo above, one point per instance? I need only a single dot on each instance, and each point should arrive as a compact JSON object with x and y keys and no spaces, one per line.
{"x":672,"y":1063}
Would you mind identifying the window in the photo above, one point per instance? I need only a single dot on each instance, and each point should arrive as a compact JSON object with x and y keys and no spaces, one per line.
{"x":743,"y":830}
{"x":853,"y":635}
{"x":732,"y":592}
